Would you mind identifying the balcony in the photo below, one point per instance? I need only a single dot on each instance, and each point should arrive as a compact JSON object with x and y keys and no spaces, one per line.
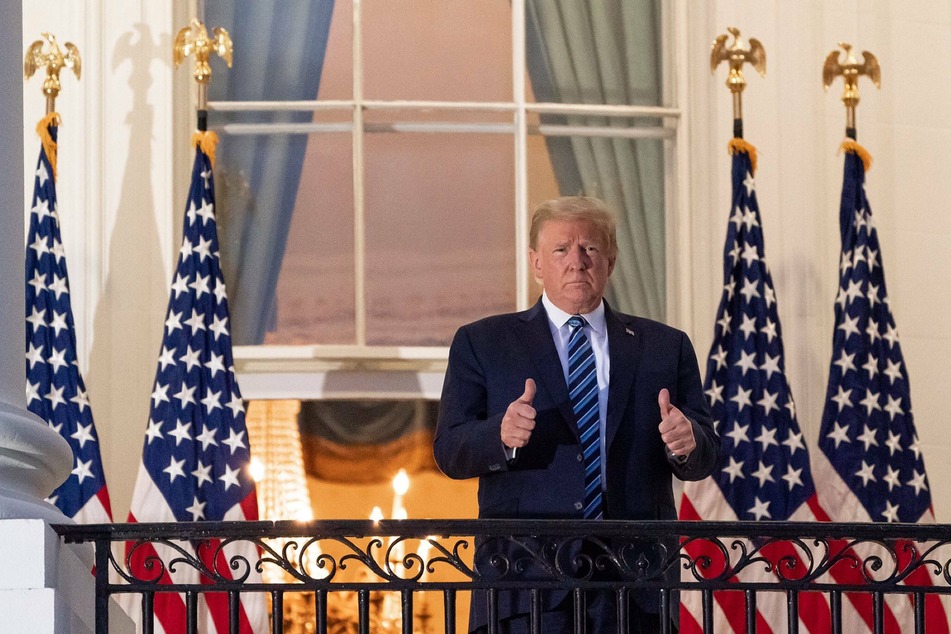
{"x":416,"y":575}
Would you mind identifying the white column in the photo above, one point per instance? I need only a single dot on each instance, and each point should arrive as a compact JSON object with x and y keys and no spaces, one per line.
{"x":44,"y":585}
{"x":34,"y":460}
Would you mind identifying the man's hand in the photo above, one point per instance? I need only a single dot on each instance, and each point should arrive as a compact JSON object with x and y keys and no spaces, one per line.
{"x":675,"y":430}
{"x":519,"y":419}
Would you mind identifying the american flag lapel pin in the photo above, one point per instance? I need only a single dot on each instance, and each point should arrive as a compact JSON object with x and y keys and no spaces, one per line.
{"x":629,"y":331}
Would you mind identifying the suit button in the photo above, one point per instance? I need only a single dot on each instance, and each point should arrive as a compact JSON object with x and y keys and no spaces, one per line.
{"x":494,"y":467}
{"x":579,"y":506}
{"x":580,"y":457}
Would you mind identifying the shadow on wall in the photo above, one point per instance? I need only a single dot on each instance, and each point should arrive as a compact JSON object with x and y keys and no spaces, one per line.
{"x":130,"y":313}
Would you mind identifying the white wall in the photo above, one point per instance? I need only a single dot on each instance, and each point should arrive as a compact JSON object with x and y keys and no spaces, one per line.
{"x":797,"y":129}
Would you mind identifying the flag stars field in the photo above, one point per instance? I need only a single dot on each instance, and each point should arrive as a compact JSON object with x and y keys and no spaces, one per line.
{"x":764,"y":472}
{"x":195,"y":453}
{"x":55,"y":390}
{"x":867,"y":426}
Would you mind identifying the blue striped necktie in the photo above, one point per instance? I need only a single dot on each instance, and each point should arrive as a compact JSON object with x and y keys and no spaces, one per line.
{"x":583,"y":389}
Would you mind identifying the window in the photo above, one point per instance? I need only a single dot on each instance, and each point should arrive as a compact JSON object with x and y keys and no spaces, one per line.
{"x":379,"y":161}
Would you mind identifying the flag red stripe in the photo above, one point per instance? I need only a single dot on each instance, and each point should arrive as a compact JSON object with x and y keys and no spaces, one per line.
{"x":936,"y":621}
{"x":732,"y":603}
{"x":218,"y":601}
{"x":844,"y":573}
{"x":688,"y":624}
{"x":169,"y":606}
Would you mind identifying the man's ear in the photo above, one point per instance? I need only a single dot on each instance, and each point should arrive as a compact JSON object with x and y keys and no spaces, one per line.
{"x":611,"y":262}
{"x":533,"y":264}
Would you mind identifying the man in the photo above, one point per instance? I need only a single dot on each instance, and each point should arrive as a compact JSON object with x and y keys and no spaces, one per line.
{"x":572,"y":410}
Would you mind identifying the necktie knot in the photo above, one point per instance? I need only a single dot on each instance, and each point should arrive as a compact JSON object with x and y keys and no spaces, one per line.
{"x":576,"y":321}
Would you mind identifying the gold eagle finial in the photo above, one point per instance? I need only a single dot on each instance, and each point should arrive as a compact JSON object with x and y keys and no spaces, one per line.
{"x":54,"y":60}
{"x":850,"y":70}
{"x":194,"y":39}
{"x":736,"y":56}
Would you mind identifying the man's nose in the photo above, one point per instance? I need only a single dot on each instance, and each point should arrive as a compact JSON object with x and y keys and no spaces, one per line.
{"x":579,"y":258}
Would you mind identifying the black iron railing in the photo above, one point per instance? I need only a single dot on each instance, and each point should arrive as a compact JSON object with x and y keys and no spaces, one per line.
{"x":417,"y":576}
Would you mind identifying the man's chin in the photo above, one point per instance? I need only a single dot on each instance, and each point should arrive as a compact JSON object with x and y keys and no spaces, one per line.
{"x":583,"y":302}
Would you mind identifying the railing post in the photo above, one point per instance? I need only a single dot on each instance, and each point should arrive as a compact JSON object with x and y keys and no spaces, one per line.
{"x":103,"y":545}
{"x":750,"y":611}
{"x":320,"y":607}
{"x":449,"y":607}
{"x":835,"y":603}
{"x":707,"y":607}
{"x":363,"y":600}
{"x":792,"y":614}
{"x":580,"y":611}
{"x":664,"y":610}
{"x":406,"y":598}
{"x":277,"y":612}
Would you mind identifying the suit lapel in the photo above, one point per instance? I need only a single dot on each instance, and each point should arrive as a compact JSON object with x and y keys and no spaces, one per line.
{"x":624,"y":345}
{"x":536,"y":333}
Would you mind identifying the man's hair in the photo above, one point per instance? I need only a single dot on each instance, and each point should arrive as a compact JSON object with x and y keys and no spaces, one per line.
{"x":571,"y":208}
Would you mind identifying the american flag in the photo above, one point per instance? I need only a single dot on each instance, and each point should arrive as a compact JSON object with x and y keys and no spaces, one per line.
{"x":764,"y":472}
{"x":870,"y":463}
{"x":196,"y":454}
{"x":54,"y":385}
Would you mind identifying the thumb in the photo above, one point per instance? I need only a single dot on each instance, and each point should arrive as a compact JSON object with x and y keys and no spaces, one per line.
{"x":663,"y":399}
{"x":529,"y":394}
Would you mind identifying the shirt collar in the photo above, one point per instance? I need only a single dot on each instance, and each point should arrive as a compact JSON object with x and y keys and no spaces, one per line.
{"x":559,"y":317}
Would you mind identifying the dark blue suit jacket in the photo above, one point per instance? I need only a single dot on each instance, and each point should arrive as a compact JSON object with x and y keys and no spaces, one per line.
{"x":488,"y":363}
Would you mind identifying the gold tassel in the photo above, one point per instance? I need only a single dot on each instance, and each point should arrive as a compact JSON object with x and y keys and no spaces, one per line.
{"x":739,"y":145}
{"x":206,"y":142}
{"x":850,"y":145}
{"x":49,"y":145}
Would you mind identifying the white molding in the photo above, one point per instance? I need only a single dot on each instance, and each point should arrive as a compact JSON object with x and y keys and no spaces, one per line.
{"x":699,"y":172}
{"x":595,"y":110}
{"x":343,"y":384}
{"x":94,"y":271}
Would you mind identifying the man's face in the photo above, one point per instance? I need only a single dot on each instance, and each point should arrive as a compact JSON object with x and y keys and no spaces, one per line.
{"x":572,"y":262}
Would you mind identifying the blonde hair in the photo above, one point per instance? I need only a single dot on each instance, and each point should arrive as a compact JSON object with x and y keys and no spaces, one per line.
{"x":572,"y":208}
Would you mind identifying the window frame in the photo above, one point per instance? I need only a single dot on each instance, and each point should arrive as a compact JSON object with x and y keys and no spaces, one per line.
{"x":368,"y":371}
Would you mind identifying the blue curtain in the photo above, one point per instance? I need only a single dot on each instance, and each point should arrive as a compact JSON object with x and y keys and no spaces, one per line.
{"x":607,"y":52}
{"x":278,"y":55}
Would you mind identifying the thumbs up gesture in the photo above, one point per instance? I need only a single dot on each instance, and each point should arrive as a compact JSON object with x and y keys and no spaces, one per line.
{"x":675,"y":430}
{"x":519,"y":419}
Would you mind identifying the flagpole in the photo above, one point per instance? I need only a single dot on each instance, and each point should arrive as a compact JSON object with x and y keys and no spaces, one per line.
{"x":850,"y":71}
{"x":194,"y":39}
{"x":736,"y":55}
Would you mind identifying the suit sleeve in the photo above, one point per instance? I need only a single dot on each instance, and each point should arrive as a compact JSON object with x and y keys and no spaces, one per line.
{"x":693,"y":403}
{"x":468,"y":442}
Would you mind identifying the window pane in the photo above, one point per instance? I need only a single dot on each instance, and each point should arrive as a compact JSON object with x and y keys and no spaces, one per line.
{"x":605,"y":52}
{"x":282,"y":49}
{"x":336,"y":82}
{"x":312,"y":273}
{"x":440,"y":234}
{"x":451,"y":50}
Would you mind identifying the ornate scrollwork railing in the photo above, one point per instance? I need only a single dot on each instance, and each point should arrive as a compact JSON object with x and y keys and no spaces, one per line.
{"x":324,"y":557}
